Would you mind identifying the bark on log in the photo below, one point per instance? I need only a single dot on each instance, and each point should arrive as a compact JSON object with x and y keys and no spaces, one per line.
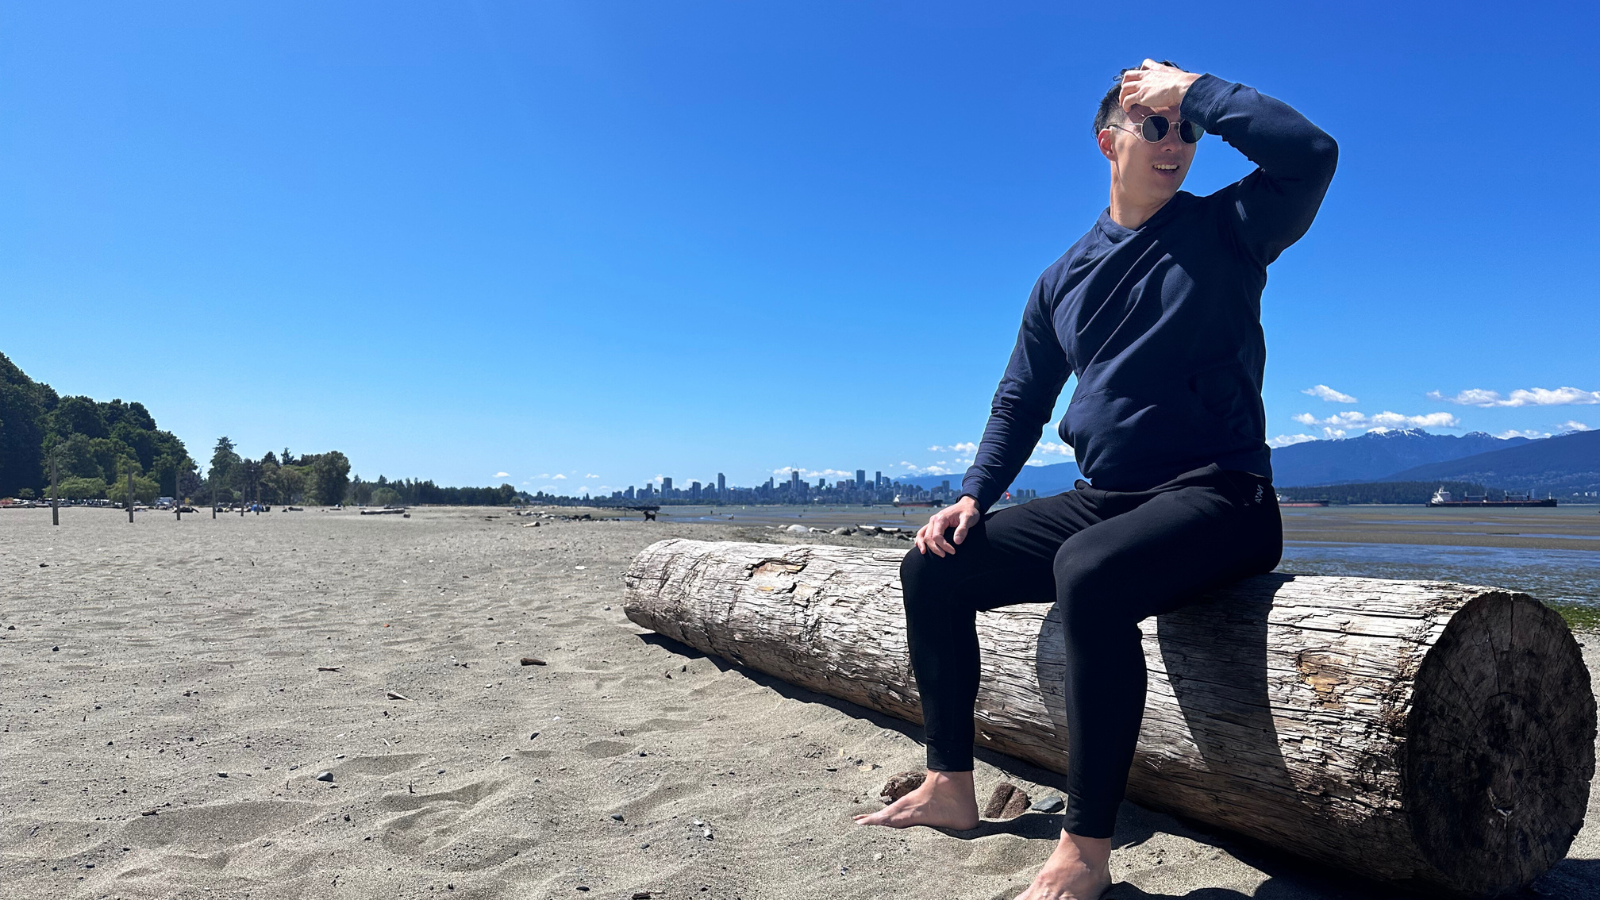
{"x":1423,"y":733}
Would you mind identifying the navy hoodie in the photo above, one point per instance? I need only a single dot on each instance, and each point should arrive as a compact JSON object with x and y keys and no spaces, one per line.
{"x":1162,"y":323}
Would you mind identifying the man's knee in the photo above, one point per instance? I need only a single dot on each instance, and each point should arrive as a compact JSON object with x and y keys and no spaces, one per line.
{"x":1085,"y":588}
{"x":926,"y":582}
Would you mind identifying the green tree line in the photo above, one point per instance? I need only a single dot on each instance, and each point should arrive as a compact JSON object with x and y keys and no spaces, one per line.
{"x":93,"y":446}
{"x":410,"y":492}
{"x":320,"y":479}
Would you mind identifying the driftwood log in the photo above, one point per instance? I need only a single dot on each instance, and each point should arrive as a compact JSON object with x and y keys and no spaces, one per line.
{"x":1435,"y":735}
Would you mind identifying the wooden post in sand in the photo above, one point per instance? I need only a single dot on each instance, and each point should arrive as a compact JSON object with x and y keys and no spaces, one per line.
{"x":1422,"y":733}
{"x":212,"y":477}
{"x":55,"y":509}
{"x":177,"y":491}
{"x":130,"y":496}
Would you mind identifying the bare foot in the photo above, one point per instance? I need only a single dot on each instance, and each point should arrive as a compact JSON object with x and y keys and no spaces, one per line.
{"x":1079,"y":869}
{"x":945,"y":800}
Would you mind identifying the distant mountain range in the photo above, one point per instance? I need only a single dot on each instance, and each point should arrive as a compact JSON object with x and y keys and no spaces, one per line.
{"x":1376,"y":455}
{"x":1561,"y":465}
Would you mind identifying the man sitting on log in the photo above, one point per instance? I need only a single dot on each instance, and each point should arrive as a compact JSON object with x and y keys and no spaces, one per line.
{"x":1157,"y":312}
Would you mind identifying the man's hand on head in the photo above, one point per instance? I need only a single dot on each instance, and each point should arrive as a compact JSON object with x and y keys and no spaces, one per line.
{"x":1155,"y":87}
{"x":961,"y":515}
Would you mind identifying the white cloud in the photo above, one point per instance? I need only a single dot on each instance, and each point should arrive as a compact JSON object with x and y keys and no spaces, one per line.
{"x":559,"y":477}
{"x":1531,"y":435}
{"x":1573,"y":425}
{"x":1045,"y":449}
{"x":1329,"y":394}
{"x":546,"y":475}
{"x":935,"y":469}
{"x":1289,"y":440}
{"x":1562,"y":396}
{"x":965,"y":447}
{"x":502,"y":474}
{"x":1385,"y":419}
{"x":591,"y":475}
{"x":1333,"y":434}
{"x":813,"y":473}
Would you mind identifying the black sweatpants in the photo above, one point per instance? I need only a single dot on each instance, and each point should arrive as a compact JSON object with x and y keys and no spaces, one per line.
{"x":1110,"y":559}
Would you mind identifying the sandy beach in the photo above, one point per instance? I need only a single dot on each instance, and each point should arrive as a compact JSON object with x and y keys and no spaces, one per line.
{"x":174,"y":690}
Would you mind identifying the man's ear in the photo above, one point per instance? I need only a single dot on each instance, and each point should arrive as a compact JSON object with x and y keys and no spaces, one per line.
{"x":1107,"y":148}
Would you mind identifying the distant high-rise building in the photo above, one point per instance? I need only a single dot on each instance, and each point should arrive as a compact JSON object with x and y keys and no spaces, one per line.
{"x":666,"y":487}
{"x":794,"y":479}
{"x":628,"y":494}
{"x":722,"y":485}
{"x":694,"y":490}
{"x":861,"y":478}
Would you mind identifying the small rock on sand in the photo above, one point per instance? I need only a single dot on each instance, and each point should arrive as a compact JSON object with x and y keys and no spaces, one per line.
{"x":1007,"y":802}
{"x":1049,"y":804}
{"x":900,"y":785}
{"x":324,"y":776}
{"x":798,"y":529}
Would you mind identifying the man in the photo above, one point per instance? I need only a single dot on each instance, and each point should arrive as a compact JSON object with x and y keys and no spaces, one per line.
{"x":1157,"y":312}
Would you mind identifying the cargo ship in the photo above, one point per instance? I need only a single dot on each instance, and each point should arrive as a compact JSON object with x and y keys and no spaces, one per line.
{"x":1284,"y":501}
{"x":1442,"y":497}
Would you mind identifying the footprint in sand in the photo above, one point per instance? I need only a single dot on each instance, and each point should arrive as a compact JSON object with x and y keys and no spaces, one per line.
{"x":211,"y":828}
{"x":604,"y":749}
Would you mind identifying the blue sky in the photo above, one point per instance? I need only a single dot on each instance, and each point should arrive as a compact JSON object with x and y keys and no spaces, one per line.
{"x":613,"y":241}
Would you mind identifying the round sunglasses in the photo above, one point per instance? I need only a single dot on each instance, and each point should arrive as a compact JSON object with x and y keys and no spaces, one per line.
{"x":1154,"y":130}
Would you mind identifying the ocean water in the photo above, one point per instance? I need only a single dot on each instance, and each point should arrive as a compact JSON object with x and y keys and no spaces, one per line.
{"x":1569,"y":577}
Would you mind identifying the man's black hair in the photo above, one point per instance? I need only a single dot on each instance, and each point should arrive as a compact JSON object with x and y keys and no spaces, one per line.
{"x":1110,"y":109}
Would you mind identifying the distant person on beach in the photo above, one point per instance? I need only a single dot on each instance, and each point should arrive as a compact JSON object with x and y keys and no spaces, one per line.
{"x":1157,"y":311}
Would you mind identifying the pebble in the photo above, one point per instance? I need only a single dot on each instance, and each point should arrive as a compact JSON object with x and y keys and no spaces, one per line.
{"x":798,"y":529}
{"x":617,"y":816}
{"x":55,"y":649}
{"x":900,"y":785}
{"x":641,"y":895}
{"x":222,"y":774}
{"x":324,"y":776}
{"x":1050,"y":804}
{"x":532,"y":661}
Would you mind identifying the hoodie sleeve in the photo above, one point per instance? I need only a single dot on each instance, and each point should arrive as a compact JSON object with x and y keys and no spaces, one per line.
{"x":1273,"y":206}
{"x":1022,"y":404}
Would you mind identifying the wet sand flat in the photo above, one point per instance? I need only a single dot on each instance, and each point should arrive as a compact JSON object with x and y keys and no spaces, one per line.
{"x":172,"y":690}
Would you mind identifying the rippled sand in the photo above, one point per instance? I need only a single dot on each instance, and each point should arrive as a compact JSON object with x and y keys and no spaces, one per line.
{"x":164,"y":720}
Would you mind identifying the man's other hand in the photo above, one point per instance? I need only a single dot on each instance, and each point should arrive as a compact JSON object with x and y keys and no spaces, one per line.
{"x":961,"y":515}
{"x":1155,"y":87}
